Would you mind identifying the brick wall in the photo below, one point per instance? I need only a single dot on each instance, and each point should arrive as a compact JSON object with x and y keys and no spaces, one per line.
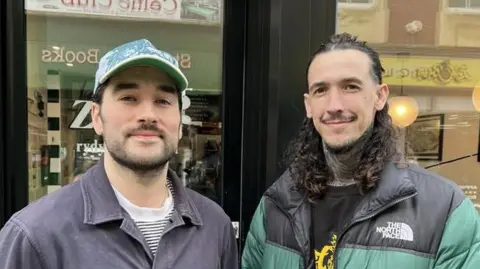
{"x":405,"y":11}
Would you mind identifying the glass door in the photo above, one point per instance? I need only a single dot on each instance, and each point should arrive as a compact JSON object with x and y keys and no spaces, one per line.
{"x":47,"y":140}
{"x":47,"y":132}
{"x":65,"y":41}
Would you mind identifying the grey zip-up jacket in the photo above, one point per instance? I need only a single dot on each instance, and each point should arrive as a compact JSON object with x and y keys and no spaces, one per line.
{"x":82,"y":225}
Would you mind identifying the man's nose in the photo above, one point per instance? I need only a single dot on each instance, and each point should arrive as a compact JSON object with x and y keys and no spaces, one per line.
{"x":147,"y":112}
{"x":334,"y":101}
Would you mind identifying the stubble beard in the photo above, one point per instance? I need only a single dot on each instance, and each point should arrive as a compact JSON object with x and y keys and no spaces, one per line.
{"x":139,"y":165}
{"x":136,"y":164}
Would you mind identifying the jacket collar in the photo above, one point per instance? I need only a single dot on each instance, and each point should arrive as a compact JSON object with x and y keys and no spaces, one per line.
{"x":394,"y":184}
{"x":284,"y":194}
{"x":101,"y":204}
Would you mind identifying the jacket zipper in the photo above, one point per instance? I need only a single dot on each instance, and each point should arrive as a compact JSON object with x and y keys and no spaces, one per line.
{"x":293,"y":227}
{"x":371,"y":215}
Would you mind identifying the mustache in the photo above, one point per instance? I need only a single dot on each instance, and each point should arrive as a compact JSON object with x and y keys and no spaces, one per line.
{"x":338,"y":116}
{"x":147,"y":127}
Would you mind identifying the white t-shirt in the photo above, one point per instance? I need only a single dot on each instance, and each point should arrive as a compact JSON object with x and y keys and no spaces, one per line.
{"x":151,"y":221}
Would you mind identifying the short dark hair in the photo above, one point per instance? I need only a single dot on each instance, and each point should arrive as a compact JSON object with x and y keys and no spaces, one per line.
{"x":97,"y":97}
{"x":346,"y":41}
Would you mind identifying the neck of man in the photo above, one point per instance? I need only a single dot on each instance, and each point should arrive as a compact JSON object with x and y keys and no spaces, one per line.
{"x":344,"y":161}
{"x":143,"y":189}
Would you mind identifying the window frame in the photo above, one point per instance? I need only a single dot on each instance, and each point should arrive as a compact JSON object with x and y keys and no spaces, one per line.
{"x":461,"y":10}
{"x":13,"y":103}
{"x":360,"y":6}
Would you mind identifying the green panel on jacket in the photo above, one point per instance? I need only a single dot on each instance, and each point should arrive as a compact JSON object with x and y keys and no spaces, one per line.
{"x":460,"y":245}
{"x":259,"y":254}
{"x":350,"y":258}
{"x":255,"y":243}
{"x":276,"y":257}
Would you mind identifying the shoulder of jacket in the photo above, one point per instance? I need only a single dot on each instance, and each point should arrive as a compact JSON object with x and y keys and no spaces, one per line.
{"x":282,"y":183}
{"x":435,"y":190}
{"x":423,"y":178}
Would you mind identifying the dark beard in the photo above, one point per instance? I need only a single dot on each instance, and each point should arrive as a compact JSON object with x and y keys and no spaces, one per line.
{"x":139,"y":165}
{"x":142,"y":167}
{"x":119,"y":155}
{"x":343,"y":161}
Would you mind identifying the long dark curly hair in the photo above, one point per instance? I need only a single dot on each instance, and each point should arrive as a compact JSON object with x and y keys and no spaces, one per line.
{"x":305,"y":157}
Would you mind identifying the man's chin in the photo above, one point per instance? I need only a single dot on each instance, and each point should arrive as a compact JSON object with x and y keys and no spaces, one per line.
{"x":148,"y":157}
{"x":339,"y":146}
{"x":142,"y":160}
{"x":143,"y":164}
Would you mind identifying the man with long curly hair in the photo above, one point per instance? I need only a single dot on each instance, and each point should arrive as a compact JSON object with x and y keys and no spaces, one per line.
{"x":347,"y":200}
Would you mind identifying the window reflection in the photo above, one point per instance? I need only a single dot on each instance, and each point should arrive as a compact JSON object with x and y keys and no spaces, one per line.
{"x":65,"y":41}
{"x":429,"y":50}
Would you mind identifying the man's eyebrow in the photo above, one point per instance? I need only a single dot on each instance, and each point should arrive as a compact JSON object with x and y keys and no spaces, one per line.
{"x":167,"y":88}
{"x":352,"y":80}
{"x":134,"y":86}
{"x":322,"y":84}
{"x":317,"y":85}
{"x":125,"y":86}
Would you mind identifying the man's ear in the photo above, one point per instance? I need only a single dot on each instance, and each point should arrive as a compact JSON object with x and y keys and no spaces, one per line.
{"x":308,"y":109}
{"x":96,"y":118}
{"x":381,"y":97}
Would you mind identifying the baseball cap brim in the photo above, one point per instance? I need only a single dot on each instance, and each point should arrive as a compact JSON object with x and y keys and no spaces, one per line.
{"x":149,"y":60}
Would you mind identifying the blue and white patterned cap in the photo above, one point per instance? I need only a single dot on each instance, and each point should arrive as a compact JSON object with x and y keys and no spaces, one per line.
{"x":138,"y":53}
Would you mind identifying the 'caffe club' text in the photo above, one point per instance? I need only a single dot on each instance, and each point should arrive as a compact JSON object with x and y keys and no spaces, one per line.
{"x":166,"y":6}
{"x":91,"y":56}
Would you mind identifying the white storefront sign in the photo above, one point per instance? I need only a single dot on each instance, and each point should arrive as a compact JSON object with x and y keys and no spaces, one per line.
{"x":86,"y":107}
{"x":92,"y":56}
{"x":64,"y":55}
{"x":146,"y":9}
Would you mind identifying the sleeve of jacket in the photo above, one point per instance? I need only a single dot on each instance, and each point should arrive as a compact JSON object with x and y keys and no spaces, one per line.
{"x":229,"y":258}
{"x":255,"y":243}
{"x":16,"y":249}
{"x":460,"y":244}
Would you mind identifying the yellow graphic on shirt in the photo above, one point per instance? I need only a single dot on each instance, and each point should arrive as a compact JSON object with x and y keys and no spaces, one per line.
{"x":324,"y":258}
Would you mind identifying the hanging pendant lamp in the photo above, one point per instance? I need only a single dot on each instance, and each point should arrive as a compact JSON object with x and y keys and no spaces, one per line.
{"x":403,"y":110}
{"x":476,"y":96}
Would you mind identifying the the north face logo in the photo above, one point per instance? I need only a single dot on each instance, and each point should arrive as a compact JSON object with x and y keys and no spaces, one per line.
{"x":396,"y":230}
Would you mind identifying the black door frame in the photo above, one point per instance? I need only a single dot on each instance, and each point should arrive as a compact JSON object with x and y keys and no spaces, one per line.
{"x":266,"y":48}
{"x":280,"y":37}
{"x":13,"y":109}
{"x":233,"y":51}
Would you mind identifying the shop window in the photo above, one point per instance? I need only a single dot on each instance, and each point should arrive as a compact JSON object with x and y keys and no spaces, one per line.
{"x":436,"y":74}
{"x":467,"y":4}
{"x":356,"y":4}
{"x":356,"y":1}
{"x":65,"y":41}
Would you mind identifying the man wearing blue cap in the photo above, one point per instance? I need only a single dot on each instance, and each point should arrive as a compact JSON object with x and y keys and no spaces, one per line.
{"x":129,"y":210}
